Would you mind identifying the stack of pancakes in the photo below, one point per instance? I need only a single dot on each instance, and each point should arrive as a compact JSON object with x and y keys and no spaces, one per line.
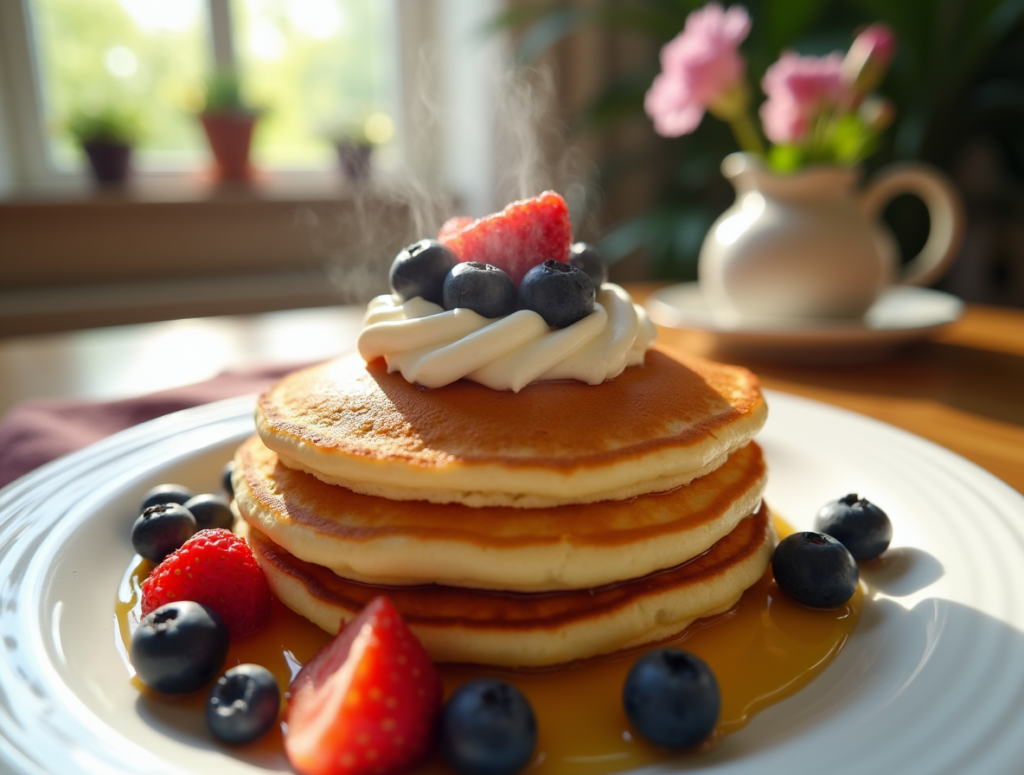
{"x":515,"y":529}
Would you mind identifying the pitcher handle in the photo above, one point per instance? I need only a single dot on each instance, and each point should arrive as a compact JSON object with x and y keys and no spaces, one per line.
{"x":945,"y":212}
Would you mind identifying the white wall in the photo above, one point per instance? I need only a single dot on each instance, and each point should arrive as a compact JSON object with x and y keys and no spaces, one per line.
{"x":470,"y":64}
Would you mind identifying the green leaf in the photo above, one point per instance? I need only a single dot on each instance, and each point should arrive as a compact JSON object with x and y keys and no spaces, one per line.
{"x":989,"y":30}
{"x":548,"y":23}
{"x":546,"y":32}
{"x":520,"y":16}
{"x":848,"y":139}
{"x":627,"y":237}
{"x":669,"y":235}
{"x":785,"y":159}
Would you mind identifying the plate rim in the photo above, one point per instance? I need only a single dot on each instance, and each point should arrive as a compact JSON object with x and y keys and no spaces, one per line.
{"x":238,"y":411}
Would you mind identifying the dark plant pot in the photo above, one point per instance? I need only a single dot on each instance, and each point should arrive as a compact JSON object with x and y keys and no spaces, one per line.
{"x":110,"y":161}
{"x":230,"y":138}
{"x":354,"y":159}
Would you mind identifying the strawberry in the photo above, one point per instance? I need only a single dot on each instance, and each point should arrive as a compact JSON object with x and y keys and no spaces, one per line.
{"x":453,"y":226}
{"x":366,"y":703}
{"x":217,"y":568}
{"x":524,"y":234}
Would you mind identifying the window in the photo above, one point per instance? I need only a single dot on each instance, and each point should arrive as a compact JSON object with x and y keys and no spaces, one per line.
{"x":321,"y":67}
{"x":314,"y":67}
{"x":314,"y":64}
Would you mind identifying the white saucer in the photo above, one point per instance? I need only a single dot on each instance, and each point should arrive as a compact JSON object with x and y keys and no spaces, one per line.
{"x":901,"y":315}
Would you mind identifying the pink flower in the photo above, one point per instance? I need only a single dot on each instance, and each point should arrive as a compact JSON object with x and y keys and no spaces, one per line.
{"x":877,"y":42}
{"x":798,"y":89}
{"x":699,"y":68}
{"x":869,"y":57}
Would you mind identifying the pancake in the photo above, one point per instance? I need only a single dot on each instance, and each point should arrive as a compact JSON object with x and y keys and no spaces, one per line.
{"x":370,"y":539}
{"x":650,"y":429}
{"x":535,"y":630}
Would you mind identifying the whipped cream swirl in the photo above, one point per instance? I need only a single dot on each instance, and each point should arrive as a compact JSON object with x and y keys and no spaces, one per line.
{"x":433,"y":347}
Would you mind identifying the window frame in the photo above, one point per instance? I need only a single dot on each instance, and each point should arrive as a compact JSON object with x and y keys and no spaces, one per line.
{"x":21,"y":103}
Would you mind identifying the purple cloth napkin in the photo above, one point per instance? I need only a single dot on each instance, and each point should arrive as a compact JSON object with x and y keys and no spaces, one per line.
{"x":36,"y":432}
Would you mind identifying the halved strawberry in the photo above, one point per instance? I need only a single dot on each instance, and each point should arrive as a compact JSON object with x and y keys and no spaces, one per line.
{"x":366,"y":703}
{"x":524,"y":234}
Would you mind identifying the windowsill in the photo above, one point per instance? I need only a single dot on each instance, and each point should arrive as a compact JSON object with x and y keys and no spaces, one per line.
{"x":167,"y":187}
{"x":179,"y":245}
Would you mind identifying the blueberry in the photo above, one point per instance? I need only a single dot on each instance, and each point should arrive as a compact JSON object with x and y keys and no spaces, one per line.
{"x":558,"y":292}
{"x":226,"y":478}
{"x":165,"y":493}
{"x":671,"y":697}
{"x":815,"y":569}
{"x":586,"y":258}
{"x":858,"y":524}
{"x":483,"y":288}
{"x":179,"y":647}
{"x":487,"y":728}
{"x":162,"y":529}
{"x":211,"y":510}
{"x":243,"y":704}
{"x":420,"y":269}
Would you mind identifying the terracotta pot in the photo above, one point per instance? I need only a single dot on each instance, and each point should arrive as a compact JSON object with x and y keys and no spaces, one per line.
{"x":812,"y":244}
{"x":110,"y":161}
{"x":230,"y":138}
{"x":354,"y":159}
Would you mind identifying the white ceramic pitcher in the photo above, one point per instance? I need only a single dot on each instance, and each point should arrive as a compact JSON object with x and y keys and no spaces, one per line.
{"x":812,"y":245}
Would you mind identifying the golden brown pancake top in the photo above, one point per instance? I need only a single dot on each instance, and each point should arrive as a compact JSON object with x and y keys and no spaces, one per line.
{"x":354,"y":409}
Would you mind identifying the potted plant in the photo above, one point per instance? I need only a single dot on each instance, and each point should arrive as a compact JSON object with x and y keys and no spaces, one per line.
{"x":355,"y":151}
{"x":106,"y":135}
{"x":354,"y":142}
{"x":228,"y":121}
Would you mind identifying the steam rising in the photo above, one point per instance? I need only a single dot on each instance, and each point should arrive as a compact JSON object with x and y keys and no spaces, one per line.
{"x":359,"y":237}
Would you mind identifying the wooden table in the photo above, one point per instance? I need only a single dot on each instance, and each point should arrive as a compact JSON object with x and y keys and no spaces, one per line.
{"x":963,"y":390}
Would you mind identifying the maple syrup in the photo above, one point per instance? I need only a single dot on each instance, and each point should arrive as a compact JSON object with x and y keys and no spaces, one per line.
{"x":763,"y":650}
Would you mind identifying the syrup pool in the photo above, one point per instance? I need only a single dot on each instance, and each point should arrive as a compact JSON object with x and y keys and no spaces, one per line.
{"x":762,"y":651}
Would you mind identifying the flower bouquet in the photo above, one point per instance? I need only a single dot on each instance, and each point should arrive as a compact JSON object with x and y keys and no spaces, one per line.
{"x":818,"y":109}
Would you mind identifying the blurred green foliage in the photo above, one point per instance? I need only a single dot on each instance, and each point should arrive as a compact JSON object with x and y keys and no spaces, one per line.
{"x":223,"y":94}
{"x":104,"y":124}
{"x":958,"y":72}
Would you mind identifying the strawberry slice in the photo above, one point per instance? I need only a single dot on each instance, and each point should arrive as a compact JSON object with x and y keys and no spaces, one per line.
{"x":524,"y":234}
{"x":366,"y":703}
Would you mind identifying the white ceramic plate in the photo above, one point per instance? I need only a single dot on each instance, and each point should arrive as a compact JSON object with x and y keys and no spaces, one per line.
{"x":932,"y":680}
{"x":900,"y":316}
